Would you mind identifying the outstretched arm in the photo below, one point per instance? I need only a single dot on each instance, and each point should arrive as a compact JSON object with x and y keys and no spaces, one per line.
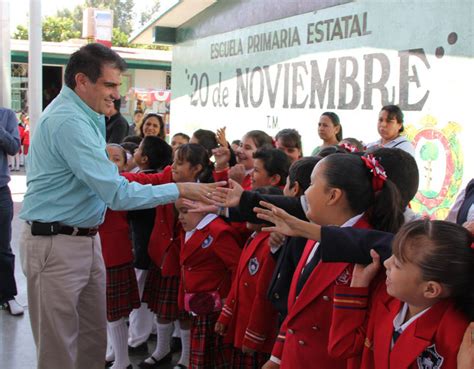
{"x":285,"y":223}
{"x":353,"y":245}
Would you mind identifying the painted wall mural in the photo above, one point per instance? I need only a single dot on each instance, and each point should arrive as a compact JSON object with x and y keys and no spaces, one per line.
{"x":351,"y":59}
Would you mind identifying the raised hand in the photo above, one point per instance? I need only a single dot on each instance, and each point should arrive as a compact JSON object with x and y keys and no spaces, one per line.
{"x":285,"y":223}
{"x":220,"y":136}
{"x":237,"y":173}
{"x":363,"y":274}
{"x":222,"y":157}
{"x":280,"y":218}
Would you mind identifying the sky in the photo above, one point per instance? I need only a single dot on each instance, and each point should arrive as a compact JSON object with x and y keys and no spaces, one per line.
{"x":19,"y":9}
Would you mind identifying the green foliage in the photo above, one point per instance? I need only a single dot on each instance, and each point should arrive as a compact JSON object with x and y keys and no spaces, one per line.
{"x":119,"y":38}
{"x":21,"y":33}
{"x":75,"y":15}
{"x":59,"y":29}
{"x":429,"y":151}
{"x":67,"y":23}
{"x":55,"y":29}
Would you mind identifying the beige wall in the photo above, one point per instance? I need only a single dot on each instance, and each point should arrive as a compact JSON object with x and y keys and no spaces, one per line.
{"x":150,"y":79}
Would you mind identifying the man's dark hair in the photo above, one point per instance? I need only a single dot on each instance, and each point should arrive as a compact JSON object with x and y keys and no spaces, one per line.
{"x":89,"y":60}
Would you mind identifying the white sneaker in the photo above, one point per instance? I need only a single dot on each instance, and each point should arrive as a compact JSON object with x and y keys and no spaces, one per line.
{"x":14,"y":307}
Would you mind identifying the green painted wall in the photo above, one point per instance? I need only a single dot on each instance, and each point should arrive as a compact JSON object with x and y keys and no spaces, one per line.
{"x":351,"y":59}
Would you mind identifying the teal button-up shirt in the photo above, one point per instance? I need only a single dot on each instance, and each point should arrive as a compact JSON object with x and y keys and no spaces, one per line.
{"x":69,"y":177}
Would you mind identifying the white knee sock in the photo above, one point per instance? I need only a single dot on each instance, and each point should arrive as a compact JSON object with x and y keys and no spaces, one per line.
{"x":177,"y":329}
{"x":163,"y":340}
{"x":141,"y":320}
{"x":109,"y":354}
{"x":118,"y":338}
{"x":186,"y":347}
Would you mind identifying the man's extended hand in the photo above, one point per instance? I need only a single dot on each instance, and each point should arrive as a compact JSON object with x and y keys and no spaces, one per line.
{"x":199,"y":191}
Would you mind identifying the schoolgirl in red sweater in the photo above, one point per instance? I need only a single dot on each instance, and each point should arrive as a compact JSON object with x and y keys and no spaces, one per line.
{"x":417,"y":317}
{"x":248,"y":319}
{"x":191,"y":164}
{"x":345,"y":190}
{"x":121,"y":283}
{"x":209,"y":256}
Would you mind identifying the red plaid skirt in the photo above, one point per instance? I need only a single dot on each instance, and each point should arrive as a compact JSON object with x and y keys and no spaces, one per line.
{"x":207,"y":347}
{"x":248,"y":361}
{"x":161,"y":295}
{"x":121,"y":291}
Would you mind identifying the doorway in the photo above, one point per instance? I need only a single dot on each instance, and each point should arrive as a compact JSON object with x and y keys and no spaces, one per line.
{"x":52,"y":83}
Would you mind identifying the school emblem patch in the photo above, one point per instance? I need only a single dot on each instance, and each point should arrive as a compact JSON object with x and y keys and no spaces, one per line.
{"x":344,"y":278}
{"x":430,"y":359}
{"x":253,"y":266}
{"x":207,"y":242}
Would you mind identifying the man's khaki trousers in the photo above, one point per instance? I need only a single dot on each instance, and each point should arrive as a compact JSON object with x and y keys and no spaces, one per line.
{"x":66,"y":299}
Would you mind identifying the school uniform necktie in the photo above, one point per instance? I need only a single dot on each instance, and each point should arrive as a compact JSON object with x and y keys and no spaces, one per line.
{"x":307,"y":270}
{"x":395,"y":336}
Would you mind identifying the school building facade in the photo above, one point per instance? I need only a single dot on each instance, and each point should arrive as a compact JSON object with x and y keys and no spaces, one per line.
{"x":261,"y":64}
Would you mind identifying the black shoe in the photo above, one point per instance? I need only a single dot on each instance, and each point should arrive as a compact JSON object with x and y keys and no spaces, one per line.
{"x":176,"y":345}
{"x":108,"y":364}
{"x":156,"y":363}
{"x":141,"y":349}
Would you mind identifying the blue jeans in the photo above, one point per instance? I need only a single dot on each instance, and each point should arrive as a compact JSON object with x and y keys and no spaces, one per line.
{"x":7,"y":258}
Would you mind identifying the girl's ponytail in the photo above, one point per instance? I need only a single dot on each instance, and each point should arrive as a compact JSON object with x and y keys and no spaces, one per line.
{"x":367,"y":189}
{"x":205,"y":176}
{"x":386,"y":213}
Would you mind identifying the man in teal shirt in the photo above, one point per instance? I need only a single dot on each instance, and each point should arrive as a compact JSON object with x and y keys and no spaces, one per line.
{"x":71,"y":182}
